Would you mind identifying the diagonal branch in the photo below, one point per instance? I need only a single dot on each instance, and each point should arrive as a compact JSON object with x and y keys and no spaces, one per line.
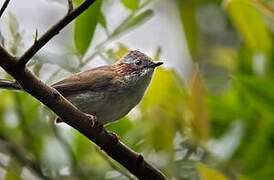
{"x":5,"y":5}
{"x":54,"y":30}
{"x":134,"y":162}
{"x":70,"y":6}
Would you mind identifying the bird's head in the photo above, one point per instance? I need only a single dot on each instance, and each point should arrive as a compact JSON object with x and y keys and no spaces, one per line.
{"x":136,"y":66}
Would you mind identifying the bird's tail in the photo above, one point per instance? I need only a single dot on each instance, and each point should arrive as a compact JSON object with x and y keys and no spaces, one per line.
{"x":11,"y":85}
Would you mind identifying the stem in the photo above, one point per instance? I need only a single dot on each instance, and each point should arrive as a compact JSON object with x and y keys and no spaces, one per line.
{"x":5,"y":5}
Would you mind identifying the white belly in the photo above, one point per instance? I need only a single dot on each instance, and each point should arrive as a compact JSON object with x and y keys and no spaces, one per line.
{"x":107,"y":107}
{"x":111,"y":105}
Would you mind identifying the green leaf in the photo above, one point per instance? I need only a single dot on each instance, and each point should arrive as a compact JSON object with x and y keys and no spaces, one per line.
{"x":102,"y":20}
{"x":208,"y":173}
{"x":163,"y":108}
{"x":120,"y":127}
{"x":12,"y":175}
{"x":131,"y":23}
{"x":198,"y":107}
{"x":131,"y":4}
{"x":187,"y":11}
{"x":85,"y":26}
{"x":261,"y":145}
{"x":258,"y":91}
{"x":14,"y":39}
{"x":250,"y":24}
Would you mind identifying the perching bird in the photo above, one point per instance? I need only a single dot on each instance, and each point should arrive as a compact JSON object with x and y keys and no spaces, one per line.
{"x":107,"y":92}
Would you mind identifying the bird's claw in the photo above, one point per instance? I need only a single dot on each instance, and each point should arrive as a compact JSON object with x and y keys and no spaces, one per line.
{"x":115,"y":136}
{"x":93,"y":120}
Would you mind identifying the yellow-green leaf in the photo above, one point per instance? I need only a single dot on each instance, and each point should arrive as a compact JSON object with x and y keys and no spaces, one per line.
{"x":199,"y":120}
{"x":162,"y":109}
{"x":250,"y":24}
{"x":207,"y":173}
{"x":131,"y":4}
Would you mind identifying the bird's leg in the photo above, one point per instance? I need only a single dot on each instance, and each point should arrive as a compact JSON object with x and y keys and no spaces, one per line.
{"x":95,"y":123}
{"x":115,"y":136}
{"x":93,"y":120}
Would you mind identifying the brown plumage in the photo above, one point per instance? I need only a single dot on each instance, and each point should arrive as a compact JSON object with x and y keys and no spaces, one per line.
{"x":109,"y":92}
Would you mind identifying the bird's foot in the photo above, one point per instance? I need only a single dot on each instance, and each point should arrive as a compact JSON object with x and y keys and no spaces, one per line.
{"x":115,"y":136}
{"x":93,"y":120}
{"x":140,"y":160}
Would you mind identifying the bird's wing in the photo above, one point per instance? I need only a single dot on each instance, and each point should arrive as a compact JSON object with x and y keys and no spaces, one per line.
{"x":92,"y":79}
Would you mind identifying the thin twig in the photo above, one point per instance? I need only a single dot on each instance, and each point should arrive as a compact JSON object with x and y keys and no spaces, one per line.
{"x":5,"y":5}
{"x":23,"y":60}
{"x":70,"y":6}
{"x":106,"y":59}
{"x":36,"y":35}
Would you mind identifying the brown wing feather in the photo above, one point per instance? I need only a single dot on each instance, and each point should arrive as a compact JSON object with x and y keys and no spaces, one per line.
{"x":92,"y":79}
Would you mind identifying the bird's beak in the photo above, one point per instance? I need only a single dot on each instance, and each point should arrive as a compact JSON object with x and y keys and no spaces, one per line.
{"x":155,"y":64}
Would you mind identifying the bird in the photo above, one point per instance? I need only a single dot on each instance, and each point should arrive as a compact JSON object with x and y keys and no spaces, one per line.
{"x":107,"y":92}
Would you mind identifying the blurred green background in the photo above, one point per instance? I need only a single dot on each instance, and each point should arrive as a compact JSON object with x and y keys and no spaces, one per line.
{"x":212,"y":120}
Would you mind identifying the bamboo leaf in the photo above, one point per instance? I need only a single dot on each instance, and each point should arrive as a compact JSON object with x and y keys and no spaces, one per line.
{"x":258,"y":91}
{"x":250,"y":24}
{"x":85,"y":26}
{"x":139,"y":19}
{"x":199,"y":120}
{"x":208,"y":173}
{"x":131,"y":4}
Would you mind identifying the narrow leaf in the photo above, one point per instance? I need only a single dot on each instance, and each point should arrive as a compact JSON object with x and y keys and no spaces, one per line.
{"x":199,"y":120}
{"x":141,"y":18}
{"x":208,"y":173}
{"x":85,"y":26}
{"x":258,"y":91}
{"x":131,"y":4}
{"x":102,"y":20}
{"x":250,"y":24}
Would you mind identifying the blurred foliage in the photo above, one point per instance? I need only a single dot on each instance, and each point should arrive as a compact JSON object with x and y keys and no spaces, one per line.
{"x":85,"y":25}
{"x":217,"y":125}
{"x":131,"y":4}
{"x":208,"y":173}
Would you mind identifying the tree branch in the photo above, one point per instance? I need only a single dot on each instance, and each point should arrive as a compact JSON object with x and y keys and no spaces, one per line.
{"x":70,"y":6}
{"x":5,"y":5}
{"x":132,"y":161}
{"x":54,"y":30}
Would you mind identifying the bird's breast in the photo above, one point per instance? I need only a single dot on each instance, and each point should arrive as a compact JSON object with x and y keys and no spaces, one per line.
{"x":109,"y":105}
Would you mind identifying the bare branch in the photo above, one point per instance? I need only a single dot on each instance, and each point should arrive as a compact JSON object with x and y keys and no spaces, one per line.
{"x":5,"y":5}
{"x":53,"y":31}
{"x":36,"y":35}
{"x":70,"y":6}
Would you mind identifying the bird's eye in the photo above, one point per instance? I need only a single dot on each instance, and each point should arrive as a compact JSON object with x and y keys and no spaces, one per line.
{"x":138,"y":62}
